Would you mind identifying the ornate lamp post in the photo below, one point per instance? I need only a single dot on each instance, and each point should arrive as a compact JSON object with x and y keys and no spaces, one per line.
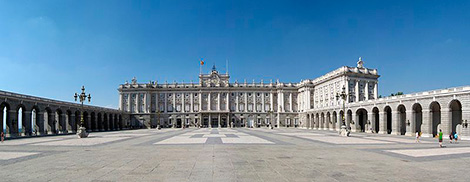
{"x":343,"y":95}
{"x":81,"y":132}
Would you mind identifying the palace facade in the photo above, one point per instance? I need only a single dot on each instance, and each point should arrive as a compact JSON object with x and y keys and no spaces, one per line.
{"x":214,"y":101}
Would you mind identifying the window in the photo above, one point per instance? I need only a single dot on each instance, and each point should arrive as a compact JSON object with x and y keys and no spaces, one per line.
{"x":267,"y":107}
{"x":242,"y":107}
{"x":250,"y":107}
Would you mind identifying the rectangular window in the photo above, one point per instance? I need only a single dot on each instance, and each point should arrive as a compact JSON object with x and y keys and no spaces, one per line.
{"x":242,"y":107}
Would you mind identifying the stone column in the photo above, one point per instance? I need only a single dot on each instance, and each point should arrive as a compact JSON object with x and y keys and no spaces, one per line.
{"x":129,"y":102}
{"x":219,"y":103}
{"x":395,"y":126}
{"x":166,"y":103}
{"x":410,"y":130}
{"x":157,"y":105}
{"x":382,"y":122}
{"x":446,"y":121}
{"x":308,"y":98}
{"x":148,"y":103}
{"x":271,"y":103}
{"x":200,"y":104}
{"x":263,"y":108}
{"x":290,"y":102}
{"x":174,"y":105}
{"x":355,"y":119}
{"x":227,"y":103}
{"x":376,"y":92}
{"x":237,"y":109}
{"x":356,"y":90}
{"x":137,"y":101}
{"x":347,"y":93}
{"x":191,"y":96}
{"x":26,"y":123}
{"x":366,"y":90}
{"x":183,"y":104}
{"x":339,"y":121}
{"x":371,"y":120}
{"x":427,"y":123}
{"x":121,"y":107}
{"x":209,"y":101}
{"x":246,"y":102}
{"x":218,"y":121}
{"x":210,"y":121}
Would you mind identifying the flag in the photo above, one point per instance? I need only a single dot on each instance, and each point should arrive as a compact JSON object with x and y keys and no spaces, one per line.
{"x":202,"y":62}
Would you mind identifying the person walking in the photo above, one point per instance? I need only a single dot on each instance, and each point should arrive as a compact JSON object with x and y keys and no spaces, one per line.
{"x":2,"y":136}
{"x":417,"y":136}
{"x":440,"y":138}
{"x":451,"y":137}
{"x":456,"y":137}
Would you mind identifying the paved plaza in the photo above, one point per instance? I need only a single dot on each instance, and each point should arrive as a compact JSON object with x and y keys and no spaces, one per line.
{"x":231,"y":154}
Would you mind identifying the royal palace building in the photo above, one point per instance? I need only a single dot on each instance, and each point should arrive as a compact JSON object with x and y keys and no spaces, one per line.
{"x":214,"y":101}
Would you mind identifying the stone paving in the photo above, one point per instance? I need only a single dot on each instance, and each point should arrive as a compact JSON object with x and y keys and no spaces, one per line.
{"x":232,"y":154}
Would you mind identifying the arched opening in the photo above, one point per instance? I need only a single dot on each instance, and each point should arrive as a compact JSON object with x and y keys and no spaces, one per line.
{"x":105,"y":122}
{"x":111,"y":122}
{"x":47,"y":121}
{"x":342,"y":118}
{"x":68,"y":121}
{"x":322,"y":121}
{"x":361,"y":119}
{"x":317,"y":121}
{"x":4,"y":107}
{"x":20,"y":127}
{"x":58,"y":122}
{"x":417,"y":120}
{"x":328,"y":120}
{"x":375,"y":120}
{"x":348,"y":119}
{"x":34,"y":121}
{"x":100,"y":122}
{"x":77,"y":121}
{"x":335,"y":119}
{"x":435,"y":111}
{"x":85,"y":121}
{"x":388,"y":119}
{"x":93,"y":122}
{"x":401,"y":116}
{"x":120,"y":122}
{"x":455,"y":115}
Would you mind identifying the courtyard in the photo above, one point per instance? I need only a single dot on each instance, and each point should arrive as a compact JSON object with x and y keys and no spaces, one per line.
{"x":231,"y":154}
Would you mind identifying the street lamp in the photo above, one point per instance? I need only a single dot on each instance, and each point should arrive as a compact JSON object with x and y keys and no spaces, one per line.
{"x":343,"y":95}
{"x":81,"y":132}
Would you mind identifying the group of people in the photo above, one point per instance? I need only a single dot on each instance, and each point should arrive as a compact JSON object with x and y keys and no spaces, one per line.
{"x":453,"y":136}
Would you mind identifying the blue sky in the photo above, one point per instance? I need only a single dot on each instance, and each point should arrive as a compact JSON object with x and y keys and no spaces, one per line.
{"x":52,"y":48}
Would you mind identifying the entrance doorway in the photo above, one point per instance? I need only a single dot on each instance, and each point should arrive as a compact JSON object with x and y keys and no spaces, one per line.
{"x":214,"y":122}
